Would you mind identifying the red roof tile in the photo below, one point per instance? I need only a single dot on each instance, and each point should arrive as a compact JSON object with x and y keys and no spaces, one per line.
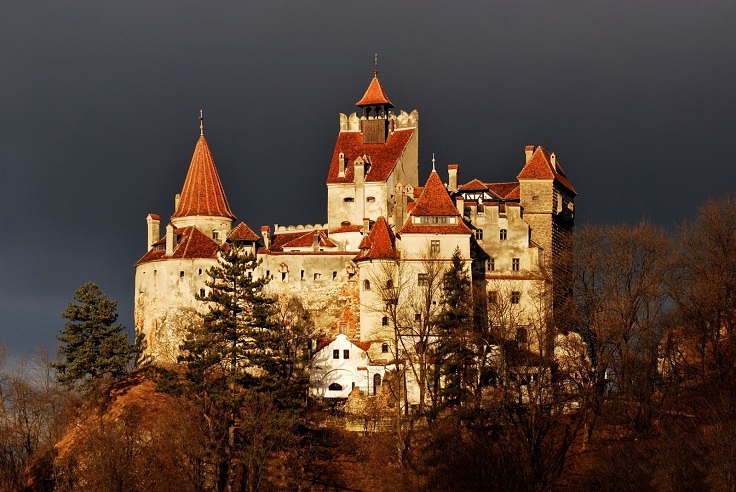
{"x":382,"y":157}
{"x":507,"y":191}
{"x":191,"y":243}
{"x":374,"y":94}
{"x":459,"y":228}
{"x":350,"y":228}
{"x":243,"y":233}
{"x":306,"y":239}
{"x":474,"y":185}
{"x":154,"y":216}
{"x":434,"y":200}
{"x":540,"y":167}
{"x":379,"y":244}
{"x":202,"y":193}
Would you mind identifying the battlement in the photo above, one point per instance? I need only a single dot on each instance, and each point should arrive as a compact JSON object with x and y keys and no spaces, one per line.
{"x":291,"y":228}
{"x":397,"y":122}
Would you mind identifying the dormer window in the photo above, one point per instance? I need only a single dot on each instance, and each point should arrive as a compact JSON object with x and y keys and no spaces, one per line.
{"x":216,"y":235}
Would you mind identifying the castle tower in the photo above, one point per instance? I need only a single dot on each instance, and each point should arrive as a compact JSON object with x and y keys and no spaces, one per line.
{"x":174,"y":270}
{"x":373,"y":153}
{"x":547,"y":198}
{"x":202,"y":202}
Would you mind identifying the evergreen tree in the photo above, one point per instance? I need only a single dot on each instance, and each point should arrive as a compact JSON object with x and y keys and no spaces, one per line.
{"x":454,"y":327}
{"x":93,"y":347}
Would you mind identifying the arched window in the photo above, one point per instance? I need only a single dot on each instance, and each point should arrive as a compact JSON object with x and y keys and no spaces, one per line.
{"x":384,"y":321}
{"x":376,"y":383}
{"x":335,"y":387}
{"x":366,"y":284}
{"x":389,"y":284}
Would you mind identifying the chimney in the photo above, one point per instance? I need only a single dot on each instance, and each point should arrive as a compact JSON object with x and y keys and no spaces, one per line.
{"x":170,"y":240}
{"x":341,"y":171}
{"x":528,"y":150}
{"x":265,"y":230}
{"x":359,"y":170}
{"x":153,"y":221}
{"x":400,"y":209}
{"x":366,"y":225}
{"x":177,"y":197}
{"x":460,"y":205}
{"x":452,"y":177}
{"x":553,"y":161}
{"x":315,"y":241}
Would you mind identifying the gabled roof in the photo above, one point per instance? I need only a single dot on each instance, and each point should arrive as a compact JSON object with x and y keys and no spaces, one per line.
{"x":375,"y":94}
{"x":434,"y":200}
{"x":474,"y":185}
{"x":243,"y":233}
{"x":202,"y":194}
{"x":381,"y":157}
{"x":306,"y":239}
{"x":540,"y":167}
{"x":379,"y":244}
{"x":507,"y":191}
{"x":191,"y":243}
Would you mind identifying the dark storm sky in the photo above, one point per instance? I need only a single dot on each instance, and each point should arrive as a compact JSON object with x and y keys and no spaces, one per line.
{"x":100,"y":105}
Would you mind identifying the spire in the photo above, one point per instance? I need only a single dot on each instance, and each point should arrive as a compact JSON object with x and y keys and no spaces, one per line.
{"x":201,"y":124}
{"x":375,"y":95}
{"x":433,"y":169}
{"x":202,"y":194}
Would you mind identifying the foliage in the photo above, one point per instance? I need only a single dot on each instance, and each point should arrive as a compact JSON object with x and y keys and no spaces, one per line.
{"x":93,"y":347}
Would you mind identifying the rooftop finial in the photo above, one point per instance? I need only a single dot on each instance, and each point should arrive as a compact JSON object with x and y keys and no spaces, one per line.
{"x":201,"y":123}
{"x":375,"y":64}
{"x":433,"y":169}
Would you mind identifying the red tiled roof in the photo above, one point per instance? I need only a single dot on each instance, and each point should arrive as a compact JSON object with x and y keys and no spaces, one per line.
{"x":307,"y":239}
{"x":154,"y":216}
{"x":190,"y":243}
{"x":243,"y":233}
{"x":382,"y":157}
{"x":474,"y":185}
{"x":434,"y":200}
{"x":380,"y":243}
{"x":505,"y":190}
{"x":202,"y":193}
{"x":350,"y":228}
{"x":540,"y":167}
{"x":374,"y":94}
{"x":364,"y":346}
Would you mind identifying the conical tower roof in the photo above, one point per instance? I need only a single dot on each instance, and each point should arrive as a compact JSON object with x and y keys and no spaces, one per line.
{"x":202,"y":194}
{"x":375,"y":95}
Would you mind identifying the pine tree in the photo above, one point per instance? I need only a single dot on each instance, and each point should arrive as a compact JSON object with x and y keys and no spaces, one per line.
{"x":454,"y":327}
{"x":93,"y":347}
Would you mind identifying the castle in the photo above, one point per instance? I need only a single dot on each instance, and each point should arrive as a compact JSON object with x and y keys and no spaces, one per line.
{"x":383,"y":232}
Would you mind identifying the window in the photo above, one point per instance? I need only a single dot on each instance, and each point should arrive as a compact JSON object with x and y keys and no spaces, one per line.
{"x":370,"y":199}
{"x":384,"y":348}
{"x":384,"y":321}
{"x":336,"y":354}
{"x":302,"y":274}
{"x":417,"y":317}
{"x":366,"y":285}
{"x":201,"y":292}
{"x":317,"y":276}
{"x":215,"y":235}
{"x":346,"y":354}
{"x":422,"y":280}
{"x":334,"y":275}
{"x":502,"y":235}
{"x":376,"y":383}
{"x":335,"y":387}
{"x":515,"y":297}
{"x":389,"y":284}
{"x":479,"y":234}
{"x":348,"y":199}
{"x":435,"y":246}
{"x":522,"y":335}
{"x":493,"y":297}
{"x":515,"y":264}
{"x":283,"y":276}
{"x":491,"y":264}
{"x":200,"y":271}
{"x":268,"y":273}
{"x":181,"y":273}
{"x":343,"y":328}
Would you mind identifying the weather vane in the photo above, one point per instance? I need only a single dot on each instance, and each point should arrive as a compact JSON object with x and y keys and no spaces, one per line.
{"x":375,"y":63}
{"x":433,"y":169}
{"x":201,"y":123}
